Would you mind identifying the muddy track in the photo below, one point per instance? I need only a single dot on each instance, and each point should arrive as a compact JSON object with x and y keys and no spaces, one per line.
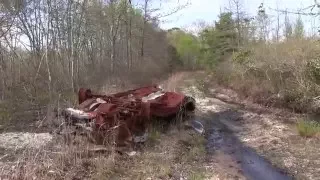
{"x":241,"y":161}
{"x":249,"y":141}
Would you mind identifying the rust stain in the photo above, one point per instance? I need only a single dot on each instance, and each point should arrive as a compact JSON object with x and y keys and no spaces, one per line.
{"x":128,"y":112}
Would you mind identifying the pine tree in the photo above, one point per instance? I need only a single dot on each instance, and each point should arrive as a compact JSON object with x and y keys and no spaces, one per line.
{"x":219,"y":41}
{"x":298,"y":28}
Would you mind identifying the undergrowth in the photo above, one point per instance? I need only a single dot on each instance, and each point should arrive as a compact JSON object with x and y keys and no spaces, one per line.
{"x":5,"y":113}
{"x":168,"y":153}
{"x":283,"y":74}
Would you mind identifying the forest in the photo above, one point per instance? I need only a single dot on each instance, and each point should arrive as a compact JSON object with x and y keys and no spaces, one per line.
{"x":271,"y":59}
{"x":50,"y":48}
{"x":257,"y":73}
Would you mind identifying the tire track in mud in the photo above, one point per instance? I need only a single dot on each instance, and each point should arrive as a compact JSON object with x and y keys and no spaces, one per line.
{"x":227,"y":154}
{"x":244,"y":162}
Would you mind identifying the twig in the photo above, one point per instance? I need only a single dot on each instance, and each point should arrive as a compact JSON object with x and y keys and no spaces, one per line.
{"x":4,"y":156}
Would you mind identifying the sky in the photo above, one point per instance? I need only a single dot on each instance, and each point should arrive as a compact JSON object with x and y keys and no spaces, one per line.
{"x":208,"y":10}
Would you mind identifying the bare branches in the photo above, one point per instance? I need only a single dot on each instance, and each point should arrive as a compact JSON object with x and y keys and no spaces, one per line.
{"x":63,"y":44}
{"x":171,"y":12}
{"x":295,"y":12}
{"x":7,"y":17}
{"x":302,"y":11}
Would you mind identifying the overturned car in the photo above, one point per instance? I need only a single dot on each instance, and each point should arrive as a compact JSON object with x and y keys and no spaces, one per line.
{"x":124,"y":118}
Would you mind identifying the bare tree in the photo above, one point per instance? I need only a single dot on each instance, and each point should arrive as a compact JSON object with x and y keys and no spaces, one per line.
{"x":50,"y":46}
{"x":278,"y":25}
{"x":236,"y":7}
{"x":263,"y":22}
{"x":287,"y":27}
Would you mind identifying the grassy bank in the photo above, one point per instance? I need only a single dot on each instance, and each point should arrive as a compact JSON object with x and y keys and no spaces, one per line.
{"x":284,"y":74}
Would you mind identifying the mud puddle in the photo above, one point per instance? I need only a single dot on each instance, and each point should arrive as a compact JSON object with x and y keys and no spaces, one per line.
{"x":240,"y":161}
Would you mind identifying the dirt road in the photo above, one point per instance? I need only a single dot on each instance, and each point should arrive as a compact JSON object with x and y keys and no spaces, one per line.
{"x":247,"y":141}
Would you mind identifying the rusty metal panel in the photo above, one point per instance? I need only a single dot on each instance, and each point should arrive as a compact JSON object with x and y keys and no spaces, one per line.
{"x":128,"y":112}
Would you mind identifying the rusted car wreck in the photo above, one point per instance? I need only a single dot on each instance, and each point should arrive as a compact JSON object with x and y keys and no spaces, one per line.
{"x":126,"y":116}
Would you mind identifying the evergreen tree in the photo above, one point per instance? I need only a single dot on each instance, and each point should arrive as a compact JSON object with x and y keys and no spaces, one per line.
{"x":298,"y":28}
{"x":219,"y":41}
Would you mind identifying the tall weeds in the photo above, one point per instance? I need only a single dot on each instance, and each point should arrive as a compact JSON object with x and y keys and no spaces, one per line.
{"x":280,"y":74}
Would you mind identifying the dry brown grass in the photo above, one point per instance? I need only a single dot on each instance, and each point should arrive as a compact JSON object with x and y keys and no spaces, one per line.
{"x":174,"y":155}
{"x":169,"y":155}
{"x":173,"y":82}
{"x":282,"y":74}
{"x":56,"y":161}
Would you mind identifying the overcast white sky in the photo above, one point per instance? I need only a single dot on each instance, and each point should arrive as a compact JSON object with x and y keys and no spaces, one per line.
{"x":208,"y":10}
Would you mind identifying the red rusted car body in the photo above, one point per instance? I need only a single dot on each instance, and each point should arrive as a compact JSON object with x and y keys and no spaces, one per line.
{"x":127,"y":113}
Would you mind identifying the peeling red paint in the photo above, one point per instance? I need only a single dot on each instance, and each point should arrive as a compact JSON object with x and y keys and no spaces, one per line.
{"x":130,"y":111}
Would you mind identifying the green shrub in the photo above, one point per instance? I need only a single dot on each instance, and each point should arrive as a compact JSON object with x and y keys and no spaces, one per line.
{"x":308,"y":128}
{"x":242,"y":57}
{"x":313,"y":70}
{"x":197,"y":176}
